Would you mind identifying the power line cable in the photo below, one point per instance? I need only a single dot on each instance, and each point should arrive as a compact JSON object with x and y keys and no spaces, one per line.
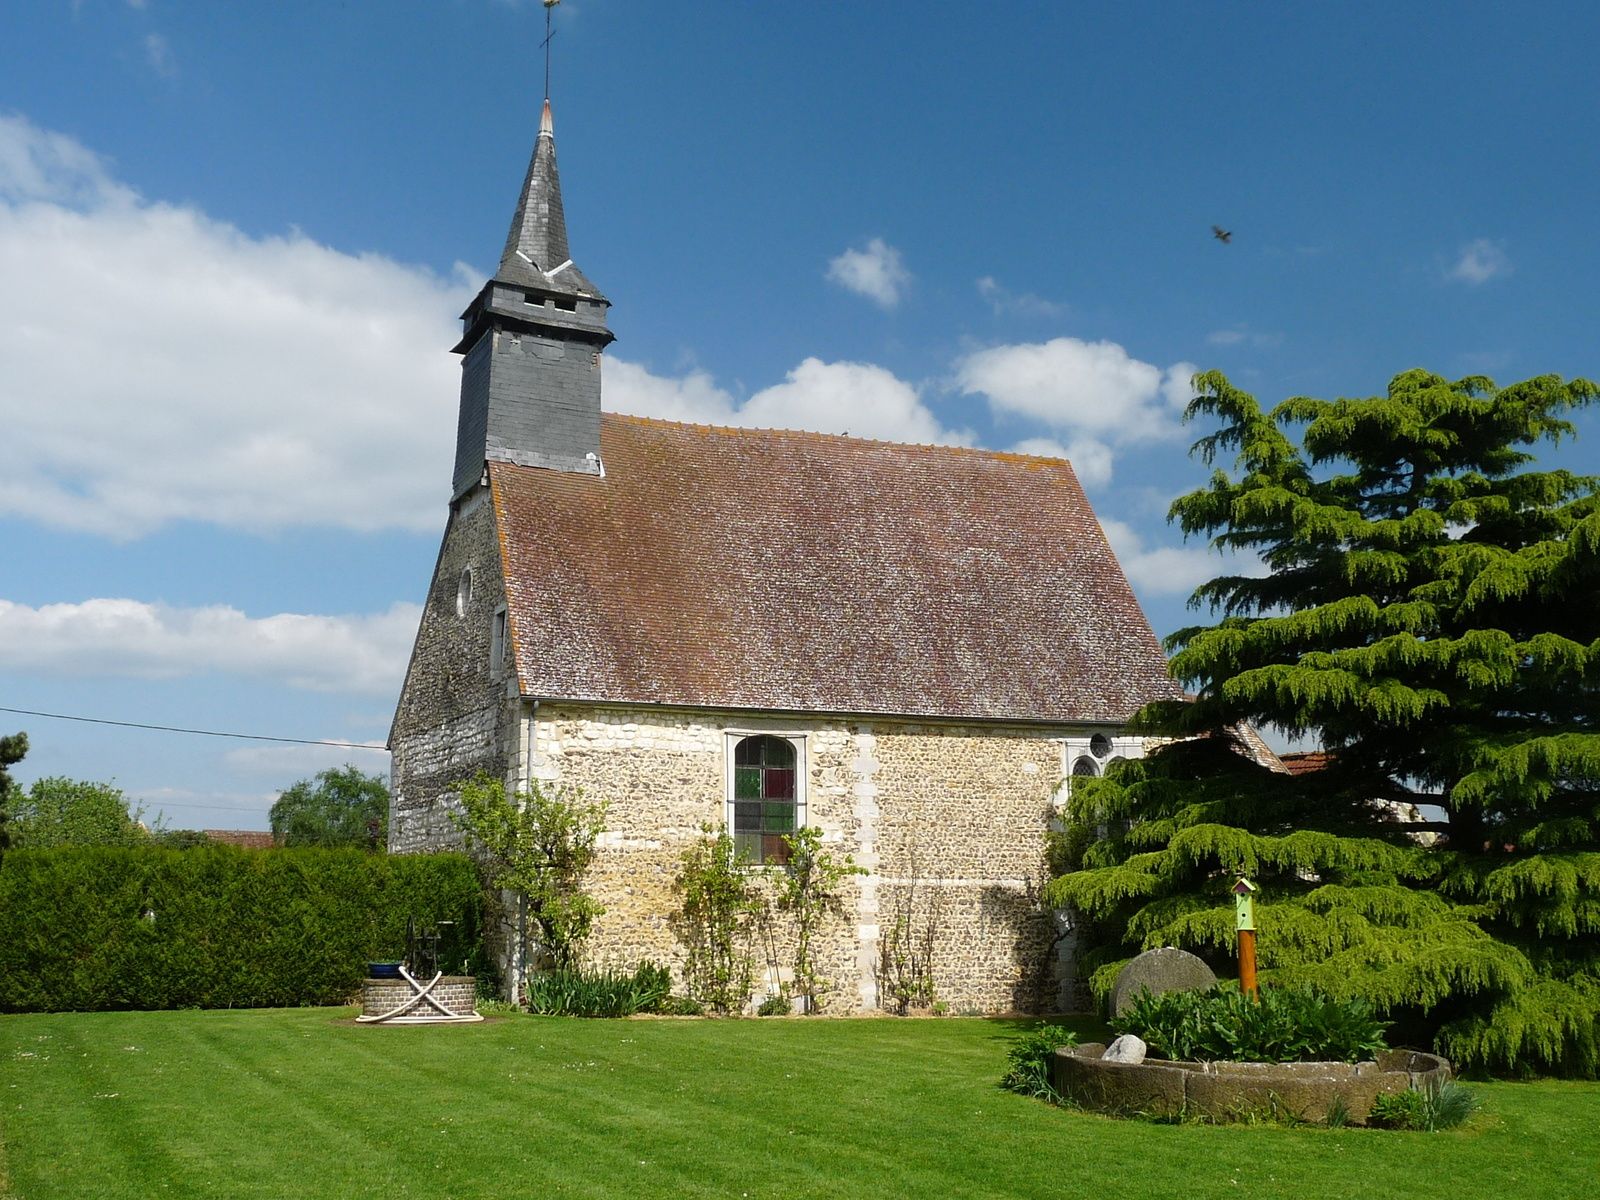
{"x":249,"y":737}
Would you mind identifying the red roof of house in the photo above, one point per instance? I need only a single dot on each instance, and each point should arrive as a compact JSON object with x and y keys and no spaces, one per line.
{"x":251,"y":839}
{"x":1304,"y":762}
{"x":766,"y":569}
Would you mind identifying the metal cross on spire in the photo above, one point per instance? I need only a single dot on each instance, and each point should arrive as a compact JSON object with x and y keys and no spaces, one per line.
{"x":549,"y":33}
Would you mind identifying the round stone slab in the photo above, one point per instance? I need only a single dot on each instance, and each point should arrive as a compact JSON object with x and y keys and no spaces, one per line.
{"x":1165,"y":970}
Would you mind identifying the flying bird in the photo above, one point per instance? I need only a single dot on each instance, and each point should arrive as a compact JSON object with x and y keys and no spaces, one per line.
{"x":1222,"y":235}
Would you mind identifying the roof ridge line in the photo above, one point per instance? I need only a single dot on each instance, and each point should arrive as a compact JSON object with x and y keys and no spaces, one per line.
{"x":983,"y":451}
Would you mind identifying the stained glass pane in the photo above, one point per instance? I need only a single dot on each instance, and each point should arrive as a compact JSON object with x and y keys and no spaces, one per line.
{"x":774,"y":849}
{"x":747,"y":753}
{"x":746,"y":817}
{"x":747,"y":846}
{"x":777,"y":818}
{"x":775,"y":752}
{"x":747,"y":783}
{"x":777,"y":783}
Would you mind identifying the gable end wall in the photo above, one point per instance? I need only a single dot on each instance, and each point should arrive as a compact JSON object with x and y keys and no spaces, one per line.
{"x":455,"y":718}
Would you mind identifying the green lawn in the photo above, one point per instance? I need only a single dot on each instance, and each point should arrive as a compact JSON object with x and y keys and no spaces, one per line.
{"x":304,"y":1104}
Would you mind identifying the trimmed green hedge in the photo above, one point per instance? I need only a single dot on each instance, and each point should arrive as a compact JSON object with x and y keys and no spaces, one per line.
{"x":89,"y":928}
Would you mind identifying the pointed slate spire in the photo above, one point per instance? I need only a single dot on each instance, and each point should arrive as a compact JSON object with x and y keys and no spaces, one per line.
{"x":531,"y":343}
{"x":536,"y":252}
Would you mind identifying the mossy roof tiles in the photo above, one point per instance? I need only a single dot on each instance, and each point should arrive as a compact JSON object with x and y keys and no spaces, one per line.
{"x":764,"y":569}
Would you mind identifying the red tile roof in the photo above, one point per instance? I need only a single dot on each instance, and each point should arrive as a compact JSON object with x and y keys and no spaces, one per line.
{"x":251,"y":839}
{"x":1304,"y":762}
{"x":769,"y":569}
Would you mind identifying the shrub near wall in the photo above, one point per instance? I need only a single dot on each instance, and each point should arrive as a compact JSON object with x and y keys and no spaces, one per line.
{"x":216,"y":926}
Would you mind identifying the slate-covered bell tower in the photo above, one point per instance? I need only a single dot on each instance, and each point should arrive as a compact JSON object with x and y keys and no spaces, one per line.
{"x":530,"y":367}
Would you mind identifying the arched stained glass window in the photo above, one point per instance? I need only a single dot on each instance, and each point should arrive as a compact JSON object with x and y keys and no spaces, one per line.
{"x":763,"y":797}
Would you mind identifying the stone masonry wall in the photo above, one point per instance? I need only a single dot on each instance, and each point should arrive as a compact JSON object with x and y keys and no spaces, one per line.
{"x":458,"y":711}
{"x":949,"y":821}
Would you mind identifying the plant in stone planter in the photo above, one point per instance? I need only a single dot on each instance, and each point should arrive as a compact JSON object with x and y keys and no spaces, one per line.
{"x":1283,"y":1025}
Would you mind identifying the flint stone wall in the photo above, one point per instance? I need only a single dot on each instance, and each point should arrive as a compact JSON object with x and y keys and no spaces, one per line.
{"x":1230,"y":1090}
{"x":949,"y":821}
{"x":458,"y":712}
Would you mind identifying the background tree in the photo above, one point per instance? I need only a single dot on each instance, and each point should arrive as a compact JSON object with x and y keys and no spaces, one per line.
{"x":339,"y":807}
{"x":57,"y":811}
{"x":1429,"y":616}
{"x":12,"y":750}
{"x":538,"y":844}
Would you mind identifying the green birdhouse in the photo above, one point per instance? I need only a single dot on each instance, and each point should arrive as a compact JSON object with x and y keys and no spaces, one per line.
{"x":1244,"y":904}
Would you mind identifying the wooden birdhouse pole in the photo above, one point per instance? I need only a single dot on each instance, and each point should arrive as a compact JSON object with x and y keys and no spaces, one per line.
{"x":1245,"y":910}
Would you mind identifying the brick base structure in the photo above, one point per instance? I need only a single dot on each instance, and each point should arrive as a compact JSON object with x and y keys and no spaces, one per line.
{"x":458,"y":993}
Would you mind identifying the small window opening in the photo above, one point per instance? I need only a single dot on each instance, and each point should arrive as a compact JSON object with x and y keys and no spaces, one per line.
{"x":497,"y":641}
{"x":1084,"y":765}
{"x":464,"y":592}
{"x":565,"y":303}
{"x":1100,"y":745}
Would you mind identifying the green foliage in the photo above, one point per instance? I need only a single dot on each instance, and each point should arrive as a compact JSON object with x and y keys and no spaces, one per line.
{"x":717,"y":917}
{"x":574,"y":992}
{"x":91,"y":928}
{"x":339,"y":807}
{"x":1028,"y":1061}
{"x":1430,"y":1109}
{"x":907,"y":939}
{"x":1284,"y":1024}
{"x":1427,"y":616}
{"x":57,"y":811}
{"x":776,"y":1005}
{"x":179,"y":839}
{"x":538,"y":844}
{"x":12,"y":749}
{"x":810,"y":890}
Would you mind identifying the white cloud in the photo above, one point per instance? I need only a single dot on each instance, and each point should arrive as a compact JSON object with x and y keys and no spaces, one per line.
{"x":840,"y":397}
{"x":1479,"y":261}
{"x":296,"y":762}
{"x":1093,"y":388}
{"x":1171,"y":570}
{"x":847,"y":397}
{"x":878,"y":273}
{"x":1004,"y":301}
{"x":630,"y":388}
{"x":1161,"y":570}
{"x":361,"y":654}
{"x":158,"y":54}
{"x":161,"y":366}
{"x":1240,"y":334}
{"x":1091,"y":460}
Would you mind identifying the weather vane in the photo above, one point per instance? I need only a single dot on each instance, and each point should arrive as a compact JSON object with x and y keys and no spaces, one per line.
{"x":549,"y":33}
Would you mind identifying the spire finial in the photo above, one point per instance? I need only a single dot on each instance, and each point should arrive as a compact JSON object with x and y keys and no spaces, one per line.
{"x":549,"y":33}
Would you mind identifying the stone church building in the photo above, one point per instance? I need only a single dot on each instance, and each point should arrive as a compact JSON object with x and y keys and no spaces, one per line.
{"x":909,"y":647}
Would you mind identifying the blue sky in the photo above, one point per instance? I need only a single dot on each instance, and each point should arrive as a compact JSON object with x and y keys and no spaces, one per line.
{"x":234,"y":239}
